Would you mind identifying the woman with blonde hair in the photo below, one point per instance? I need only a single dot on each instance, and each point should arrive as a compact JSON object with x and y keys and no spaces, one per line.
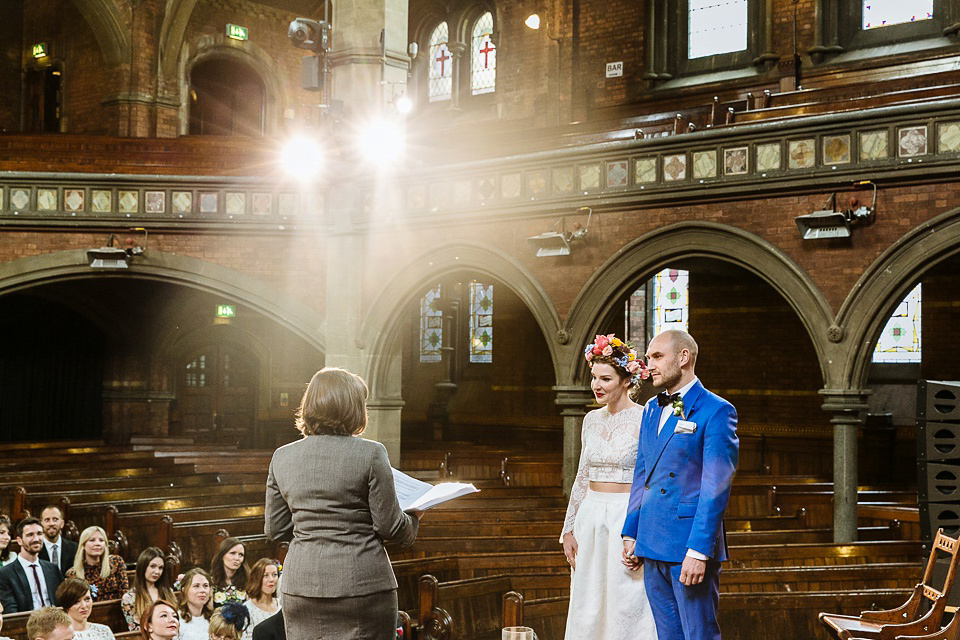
{"x":196,"y":605}
{"x":229,"y":622}
{"x":150,"y":582}
{"x":105,"y":573}
{"x":73,"y":596}
{"x":159,"y":621}
{"x":332,"y":494}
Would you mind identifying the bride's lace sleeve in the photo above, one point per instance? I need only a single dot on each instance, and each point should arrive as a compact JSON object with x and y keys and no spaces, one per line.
{"x":581,"y":482}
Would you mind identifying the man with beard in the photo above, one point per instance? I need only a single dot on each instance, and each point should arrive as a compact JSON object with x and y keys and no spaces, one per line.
{"x":29,"y":583}
{"x":685,"y":464}
{"x":56,"y":549}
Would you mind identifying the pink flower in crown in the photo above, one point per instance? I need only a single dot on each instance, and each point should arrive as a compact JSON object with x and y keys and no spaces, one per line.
{"x":633,"y":366}
{"x":589,"y":356}
{"x":607,"y":350}
{"x":600,"y":343}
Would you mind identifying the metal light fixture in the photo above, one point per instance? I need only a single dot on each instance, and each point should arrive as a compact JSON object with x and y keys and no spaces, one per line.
{"x":113,"y":257}
{"x":831,"y":223}
{"x":557,"y":243}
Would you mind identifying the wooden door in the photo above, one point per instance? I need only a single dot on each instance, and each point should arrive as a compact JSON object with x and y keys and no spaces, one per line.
{"x":217,"y":394}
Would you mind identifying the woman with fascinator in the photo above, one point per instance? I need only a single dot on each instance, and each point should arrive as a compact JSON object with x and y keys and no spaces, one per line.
{"x":607,"y":599}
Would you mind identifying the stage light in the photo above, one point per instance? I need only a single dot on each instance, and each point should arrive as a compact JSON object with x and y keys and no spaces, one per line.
{"x":404,"y":105}
{"x":834,"y":223}
{"x":382,"y":141}
{"x":532,"y":21}
{"x":302,"y":157}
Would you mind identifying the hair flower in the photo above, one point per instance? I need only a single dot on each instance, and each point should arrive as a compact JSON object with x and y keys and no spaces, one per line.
{"x":622,"y":354}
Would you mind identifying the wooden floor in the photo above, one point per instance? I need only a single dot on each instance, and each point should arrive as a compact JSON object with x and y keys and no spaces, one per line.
{"x":186,"y":498}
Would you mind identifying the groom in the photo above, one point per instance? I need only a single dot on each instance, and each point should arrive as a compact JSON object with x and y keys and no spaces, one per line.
{"x":685,"y":464}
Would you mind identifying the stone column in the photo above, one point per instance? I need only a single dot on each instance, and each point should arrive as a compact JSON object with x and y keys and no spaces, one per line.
{"x":457,"y":50}
{"x":848,"y":407}
{"x":573,"y":401}
{"x":384,"y":372}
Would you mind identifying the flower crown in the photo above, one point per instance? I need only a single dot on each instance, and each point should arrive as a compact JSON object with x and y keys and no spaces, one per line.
{"x":620,"y":352}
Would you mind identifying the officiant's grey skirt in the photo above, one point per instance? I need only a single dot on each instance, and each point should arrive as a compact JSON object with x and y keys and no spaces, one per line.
{"x":369,"y":617}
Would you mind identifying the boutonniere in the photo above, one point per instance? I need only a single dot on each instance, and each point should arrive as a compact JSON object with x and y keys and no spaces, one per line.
{"x":678,"y":408}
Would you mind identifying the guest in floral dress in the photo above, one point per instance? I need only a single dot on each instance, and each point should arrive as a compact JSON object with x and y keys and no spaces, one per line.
{"x":106,"y":574}
{"x":74,"y":597}
{"x":150,"y":583}
{"x":262,"y":591}
{"x":229,"y":573}
{"x":196,"y":605}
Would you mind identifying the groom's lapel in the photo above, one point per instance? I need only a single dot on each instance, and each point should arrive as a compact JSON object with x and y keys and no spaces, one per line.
{"x":689,"y":401}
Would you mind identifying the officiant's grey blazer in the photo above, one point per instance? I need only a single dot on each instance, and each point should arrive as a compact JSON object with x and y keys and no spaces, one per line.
{"x":333,"y":498}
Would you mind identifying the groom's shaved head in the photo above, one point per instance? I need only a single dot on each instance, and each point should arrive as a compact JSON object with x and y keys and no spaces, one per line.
{"x":680,"y":340}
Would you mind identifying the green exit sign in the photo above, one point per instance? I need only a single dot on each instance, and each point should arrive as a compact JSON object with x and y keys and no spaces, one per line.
{"x":40,"y":50}
{"x":236,"y":32}
{"x":226,"y":311}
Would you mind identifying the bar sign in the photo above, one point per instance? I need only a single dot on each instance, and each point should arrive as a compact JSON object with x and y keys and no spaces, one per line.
{"x":614,"y":69}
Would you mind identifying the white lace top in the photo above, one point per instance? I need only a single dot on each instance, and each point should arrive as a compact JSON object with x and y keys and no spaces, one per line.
{"x":608,"y":454}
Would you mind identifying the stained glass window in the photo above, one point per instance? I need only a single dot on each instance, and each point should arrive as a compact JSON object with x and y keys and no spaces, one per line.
{"x":900,"y":339}
{"x":671,"y":300}
{"x":197,"y":372}
{"x":441,"y":64}
{"x":883,"y":13}
{"x":481,"y":322}
{"x":716,"y":26}
{"x":431,"y":326}
{"x":483,"y":75}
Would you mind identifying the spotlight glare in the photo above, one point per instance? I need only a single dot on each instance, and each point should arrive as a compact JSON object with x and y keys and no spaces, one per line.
{"x":532,"y":21}
{"x":302,"y":157}
{"x":404,"y":105}
{"x":382,"y":141}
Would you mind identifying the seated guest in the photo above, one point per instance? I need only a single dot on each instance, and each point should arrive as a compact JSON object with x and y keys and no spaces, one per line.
{"x":105,"y":573}
{"x":74,"y":597}
{"x":6,"y":537}
{"x":56,"y":549}
{"x":150,"y":583}
{"x":49,"y":623}
{"x":262,"y":593}
{"x":196,"y":605}
{"x":229,"y":622}
{"x":29,"y":583}
{"x":159,"y":621}
{"x":229,"y":573}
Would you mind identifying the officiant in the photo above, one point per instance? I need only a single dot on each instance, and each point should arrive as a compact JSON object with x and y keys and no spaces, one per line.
{"x":331,"y":495}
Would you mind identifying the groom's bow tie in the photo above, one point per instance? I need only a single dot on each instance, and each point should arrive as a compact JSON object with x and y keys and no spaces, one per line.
{"x":664,"y":398}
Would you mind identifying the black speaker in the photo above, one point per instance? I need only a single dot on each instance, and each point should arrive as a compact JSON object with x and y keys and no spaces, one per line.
{"x":938,"y":401}
{"x":938,"y":457}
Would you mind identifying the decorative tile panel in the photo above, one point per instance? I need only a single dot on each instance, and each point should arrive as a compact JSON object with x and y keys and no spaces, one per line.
{"x":768,"y":157}
{"x":155,"y":202}
{"x":704,"y":164}
{"x":487,"y":188}
{"x":236,"y":203}
{"x":675,"y":167}
{"x":510,"y":186}
{"x":589,"y":176}
{"x":74,"y":200}
{"x":617,"y":175}
{"x":911,"y":141}
{"x":537,"y":183}
{"x":803,"y":154}
{"x":873,"y":145}
{"x":262,"y":204}
{"x":289,"y":204}
{"x":182,"y":202}
{"x":736,"y":161}
{"x":462,"y":192}
{"x":836,"y":149}
{"x":128,"y":201}
{"x":948,"y":137}
{"x":563,"y":180}
{"x":209,"y":202}
{"x":101,"y":201}
{"x":19,"y":199}
{"x":645,"y":170}
{"x":46,"y":199}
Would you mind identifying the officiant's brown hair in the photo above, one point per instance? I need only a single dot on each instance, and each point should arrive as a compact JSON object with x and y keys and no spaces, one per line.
{"x":335,"y":402}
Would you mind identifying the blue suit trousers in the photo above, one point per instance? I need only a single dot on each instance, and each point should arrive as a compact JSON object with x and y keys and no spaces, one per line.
{"x":682,"y":612}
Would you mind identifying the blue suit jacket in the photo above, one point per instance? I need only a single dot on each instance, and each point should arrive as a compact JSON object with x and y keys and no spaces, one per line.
{"x":682,"y":481}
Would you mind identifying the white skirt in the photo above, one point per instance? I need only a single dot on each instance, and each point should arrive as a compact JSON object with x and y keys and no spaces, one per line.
{"x":607,"y":600}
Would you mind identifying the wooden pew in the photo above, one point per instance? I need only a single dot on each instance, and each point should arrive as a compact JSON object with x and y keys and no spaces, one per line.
{"x":546,"y":616}
{"x":889,"y":575}
{"x":468,"y":609}
{"x":817,"y":554}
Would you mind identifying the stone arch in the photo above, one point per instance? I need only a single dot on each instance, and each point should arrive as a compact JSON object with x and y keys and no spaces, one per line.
{"x":380,"y":333}
{"x":885,"y":283}
{"x":643,"y":256}
{"x":110,"y":27}
{"x":248,"y":53}
{"x":176,"y":16}
{"x":177,"y":269}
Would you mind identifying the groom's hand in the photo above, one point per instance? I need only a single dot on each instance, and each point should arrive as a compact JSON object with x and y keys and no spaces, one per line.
{"x":629,"y":560}
{"x":692,"y":570}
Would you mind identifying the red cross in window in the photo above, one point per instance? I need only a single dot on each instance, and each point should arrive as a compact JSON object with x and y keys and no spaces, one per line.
{"x":488,"y":48}
{"x":442,"y":58}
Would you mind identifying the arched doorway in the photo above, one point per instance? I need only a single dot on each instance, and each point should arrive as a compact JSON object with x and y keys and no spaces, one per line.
{"x":227,"y":97}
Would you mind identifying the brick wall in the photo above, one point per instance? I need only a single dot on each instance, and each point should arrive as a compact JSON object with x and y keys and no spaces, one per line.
{"x":11,"y":50}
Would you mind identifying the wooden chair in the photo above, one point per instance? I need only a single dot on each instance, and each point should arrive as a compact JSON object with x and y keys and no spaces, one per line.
{"x":909,"y":618}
